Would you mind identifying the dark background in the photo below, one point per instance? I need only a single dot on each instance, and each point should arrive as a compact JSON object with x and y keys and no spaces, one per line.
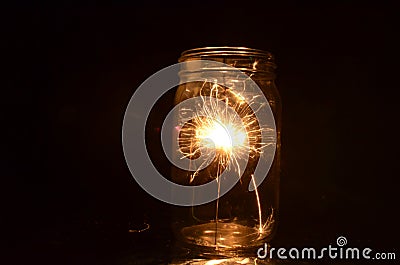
{"x":70,"y":71}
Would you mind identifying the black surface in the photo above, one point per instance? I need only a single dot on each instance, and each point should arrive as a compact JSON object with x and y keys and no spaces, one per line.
{"x":70,"y":71}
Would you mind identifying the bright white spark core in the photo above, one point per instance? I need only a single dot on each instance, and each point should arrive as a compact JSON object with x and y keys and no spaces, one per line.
{"x":225,"y":137}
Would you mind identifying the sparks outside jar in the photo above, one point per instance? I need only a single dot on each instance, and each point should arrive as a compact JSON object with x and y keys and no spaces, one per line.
{"x":242,"y":218}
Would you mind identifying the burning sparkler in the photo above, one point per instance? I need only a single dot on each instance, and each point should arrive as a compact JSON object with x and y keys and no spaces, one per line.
{"x":212,"y":130}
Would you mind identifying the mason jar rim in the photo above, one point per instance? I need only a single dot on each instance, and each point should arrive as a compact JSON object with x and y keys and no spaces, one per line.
{"x":224,"y":51}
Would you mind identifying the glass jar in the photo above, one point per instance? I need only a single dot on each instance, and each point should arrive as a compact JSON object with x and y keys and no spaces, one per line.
{"x":243,"y":218}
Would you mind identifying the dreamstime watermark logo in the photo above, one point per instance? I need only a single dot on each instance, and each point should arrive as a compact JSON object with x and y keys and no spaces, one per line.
{"x":137,"y":113}
{"x":330,"y":252}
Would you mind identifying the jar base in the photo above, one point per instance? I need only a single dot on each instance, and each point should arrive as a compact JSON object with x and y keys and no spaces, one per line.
{"x":222,"y":235}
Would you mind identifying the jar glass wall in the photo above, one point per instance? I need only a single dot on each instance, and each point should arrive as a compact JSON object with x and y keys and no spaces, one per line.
{"x":240,"y":219}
